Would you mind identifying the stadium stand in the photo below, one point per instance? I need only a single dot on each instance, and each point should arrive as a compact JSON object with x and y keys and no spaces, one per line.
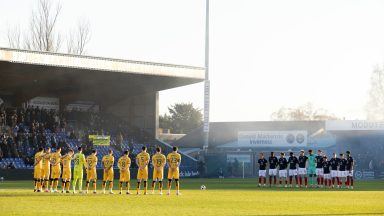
{"x":23,"y":131}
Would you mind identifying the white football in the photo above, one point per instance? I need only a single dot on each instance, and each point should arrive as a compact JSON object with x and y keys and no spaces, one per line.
{"x":202,"y":187}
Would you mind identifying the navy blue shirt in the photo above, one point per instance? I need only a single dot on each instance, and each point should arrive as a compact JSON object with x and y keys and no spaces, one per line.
{"x":283,"y":163}
{"x":326,"y":165}
{"x":302,"y":161}
{"x":349,"y":163}
{"x":262,"y":163}
{"x":292,"y":160}
{"x":334,"y":163}
{"x":273,"y":162}
{"x":342,"y":164}
{"x":319,"y":161}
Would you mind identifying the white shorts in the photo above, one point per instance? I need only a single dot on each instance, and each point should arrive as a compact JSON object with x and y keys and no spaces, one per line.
{"x":350,"y":173}
{"x":319,"y":171}
{"x":262,"y":173}
{"x":292,"y":172}
{"x":327,"y":176}
{"x":342,"y":174}
{"x":283,"y":173}
{"x":334,"y":173}
{"x":302,"y":171}
{"x":272,"y":172}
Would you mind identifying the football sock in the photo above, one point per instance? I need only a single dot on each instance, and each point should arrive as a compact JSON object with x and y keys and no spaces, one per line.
{"x":80,"y":184}
{"x":110,"y":186}
{"x":138,"y":187}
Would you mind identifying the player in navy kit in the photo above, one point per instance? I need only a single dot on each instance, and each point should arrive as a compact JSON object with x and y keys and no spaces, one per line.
{"x":319,"y":168}
{"x":272,"y":172}
{"x":262,"y":169}
{"x":342,"y":174}
{"x":349,"y":168}
{"x":303,"y":169}
{"x":283,"y":163}
{"x":292,"y":160}
{"x":326,"y":172}
{"x":334,"y":166}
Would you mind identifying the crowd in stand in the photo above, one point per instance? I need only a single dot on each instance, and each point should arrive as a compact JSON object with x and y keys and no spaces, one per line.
{"x":24,"y":130}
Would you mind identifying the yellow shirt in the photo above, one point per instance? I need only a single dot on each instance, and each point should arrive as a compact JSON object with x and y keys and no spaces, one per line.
{"x":143,"y":159}
{"x":124,"y":163}
{"x":91,"y":161}
{"x":174,"y":159}
{"x":38,"y":160}
{"x":46,"y":160}
{"x":66,"y":161}
{"x":108,"y":161}
{"x":55,"y":158}
{"x":158,"y":160}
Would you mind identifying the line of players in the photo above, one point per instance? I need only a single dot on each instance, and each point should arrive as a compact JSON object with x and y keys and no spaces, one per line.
{"x":47,"y":170}
{"x":329,"y":172}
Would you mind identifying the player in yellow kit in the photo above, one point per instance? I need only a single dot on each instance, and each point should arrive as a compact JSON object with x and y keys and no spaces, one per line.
{"x":124,"y":163}
{"x":174,"y":160}
{"x":37,"y":170}
{"x":91,"y":162}
{"x":108,"y":161}
{"x":46,"y":170}
{"x":158,"y":162}
{"x":142,"y":161}
{"x":55,"y":170}
{"x":66,"y":177}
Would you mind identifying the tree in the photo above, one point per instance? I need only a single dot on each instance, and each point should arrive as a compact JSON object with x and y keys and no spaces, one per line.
{"x":42,"y":28}
{"x":305,"y":112}
{"x":77,"y":40}
{"x":42,"y":34}
{"x":375,"y":104}
{"x":165,"y":121}
{"x":183,"y":118}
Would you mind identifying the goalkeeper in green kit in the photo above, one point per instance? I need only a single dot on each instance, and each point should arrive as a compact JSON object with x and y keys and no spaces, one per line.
{"x":311,"y":168}
{"x":79,"y":161}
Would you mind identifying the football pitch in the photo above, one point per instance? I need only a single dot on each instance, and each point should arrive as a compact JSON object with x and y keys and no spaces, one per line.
{"x":222,"y":197}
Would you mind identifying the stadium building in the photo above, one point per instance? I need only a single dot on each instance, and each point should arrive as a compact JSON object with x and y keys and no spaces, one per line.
{"x":71,"y":84}
{"x":234,"y":147}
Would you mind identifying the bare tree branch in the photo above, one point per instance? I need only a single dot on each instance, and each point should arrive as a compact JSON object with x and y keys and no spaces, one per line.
{"x":42,"y":34}
{"x":78,"y":40}
{"x":14,"y":38}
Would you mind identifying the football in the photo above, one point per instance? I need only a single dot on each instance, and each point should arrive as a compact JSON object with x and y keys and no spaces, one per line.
{"x":202,"y":187}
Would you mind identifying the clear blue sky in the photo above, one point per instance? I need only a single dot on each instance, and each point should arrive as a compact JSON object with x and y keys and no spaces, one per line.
{"x":264,"y":54}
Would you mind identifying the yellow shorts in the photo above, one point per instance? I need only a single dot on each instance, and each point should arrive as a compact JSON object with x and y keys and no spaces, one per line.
{"x":91,"y":174}
{"x":158,"y":174}
{"x":173,"y":173}
{"x":125,"y":176}
{"x":37,"y":173}
{"x":66,"y":174}
{"x":45,"y":173}
{"x":55,"y":172}
{"x":142,"y":174}
{"x":108,"y":175}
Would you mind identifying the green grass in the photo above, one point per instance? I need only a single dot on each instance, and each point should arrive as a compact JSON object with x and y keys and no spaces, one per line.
{"x":222,"y":197}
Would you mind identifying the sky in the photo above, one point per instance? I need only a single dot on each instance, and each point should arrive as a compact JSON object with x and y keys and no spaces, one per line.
{"x":264,"y":54}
